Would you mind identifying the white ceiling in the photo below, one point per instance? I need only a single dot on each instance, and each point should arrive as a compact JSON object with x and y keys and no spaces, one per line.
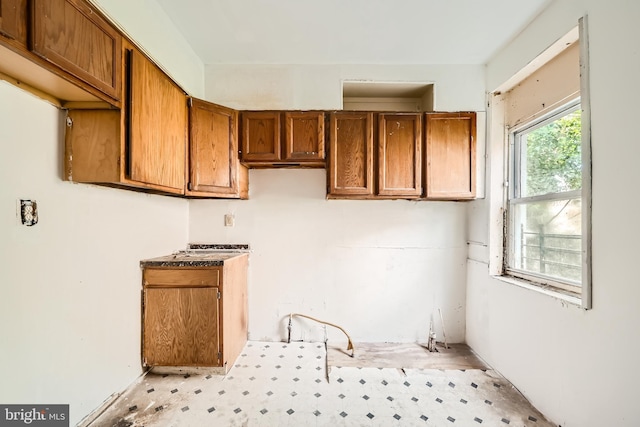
{"x":349,"y":31}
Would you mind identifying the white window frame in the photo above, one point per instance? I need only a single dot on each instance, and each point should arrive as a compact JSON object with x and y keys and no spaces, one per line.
{"x":498,"y":183}
{"x":514,"y":198}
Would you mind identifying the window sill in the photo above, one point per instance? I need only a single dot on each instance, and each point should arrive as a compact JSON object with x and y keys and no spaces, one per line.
{"x":551,"y":291}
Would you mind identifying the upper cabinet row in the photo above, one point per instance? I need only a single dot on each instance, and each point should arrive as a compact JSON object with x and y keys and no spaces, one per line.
{"x":130,"y":125}
{"x":383,"y":155}
{"x":371,"y":155}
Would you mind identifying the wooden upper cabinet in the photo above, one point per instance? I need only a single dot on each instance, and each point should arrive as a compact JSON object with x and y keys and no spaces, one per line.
{"x":304,"y":136}
{"x":450,"y":156}
{"x":399,"y":158}
{"x":276,"y":138}
{"x":157,"y":126}
{"x":143,"y":145}
{"x":13,"y":20}
{"x":214,"y":168}
{"x":260,"y":136}
{"x":73,"y":36}
{"x":351,"y":154}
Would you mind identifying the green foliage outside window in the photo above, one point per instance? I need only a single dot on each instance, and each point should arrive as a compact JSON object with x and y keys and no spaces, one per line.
{"x":553,"y":158}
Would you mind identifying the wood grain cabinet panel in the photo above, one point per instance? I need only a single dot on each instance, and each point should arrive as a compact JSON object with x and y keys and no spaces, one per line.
{"x":260,"y":136}
{"x":157,"y":126}
{"x":351,"y":154}
{"x":93,"y":146}
{"x":450,"y":153}
{"x":304,"y":136}
{"x":214,"y":168}
{"x":181,"y":327}
{"x":73,"y":36}
{"x":13,"y":20}
{"x":399,"y":158}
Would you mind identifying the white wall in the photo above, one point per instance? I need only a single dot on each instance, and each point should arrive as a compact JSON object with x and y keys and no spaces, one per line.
{"x":577,"y":367}
{"x":380,"y":269}
{"x":298,"y":87}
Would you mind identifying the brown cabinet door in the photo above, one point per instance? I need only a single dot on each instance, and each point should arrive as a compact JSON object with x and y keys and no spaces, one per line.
{"x":157,"y":126}
{"x":93,"y":146}
{"x":13,"y":20}
{"x":181,"y":327}
{"x":213,"y":147}
{"x":260,"y":136}
{"x":450,"y":156}
{"x":351,"y":154}
{"x":71,"y":35}
{"x":304,"y":136}
{"x":399,"y":162}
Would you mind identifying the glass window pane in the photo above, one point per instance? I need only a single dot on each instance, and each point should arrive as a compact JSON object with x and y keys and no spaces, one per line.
{"x":546,"y":238}
{"x":550,"y":159}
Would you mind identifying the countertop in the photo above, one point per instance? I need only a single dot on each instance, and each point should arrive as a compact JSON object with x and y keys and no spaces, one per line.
{"x":202,"y":256}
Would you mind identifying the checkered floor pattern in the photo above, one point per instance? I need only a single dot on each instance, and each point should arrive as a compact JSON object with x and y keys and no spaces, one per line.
{"x":280,"y":384}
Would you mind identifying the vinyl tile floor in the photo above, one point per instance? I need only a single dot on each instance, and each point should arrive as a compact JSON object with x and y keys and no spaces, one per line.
{"x":278,"y":384}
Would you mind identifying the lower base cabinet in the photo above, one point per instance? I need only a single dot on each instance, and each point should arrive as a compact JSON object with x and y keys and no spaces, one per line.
{"x":194,"y":316}
{"x":181,"y":327}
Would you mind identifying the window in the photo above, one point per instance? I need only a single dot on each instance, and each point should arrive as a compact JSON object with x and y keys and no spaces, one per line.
{"x":544,"y":209}
{"x":540,"y":174}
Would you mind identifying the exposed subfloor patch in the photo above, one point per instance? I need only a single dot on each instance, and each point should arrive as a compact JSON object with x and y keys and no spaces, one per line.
{"x":280,"y":384}
{"x":404,"y":355}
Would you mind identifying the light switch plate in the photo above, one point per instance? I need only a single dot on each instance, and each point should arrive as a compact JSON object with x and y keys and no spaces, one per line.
{"x":229,"y":220}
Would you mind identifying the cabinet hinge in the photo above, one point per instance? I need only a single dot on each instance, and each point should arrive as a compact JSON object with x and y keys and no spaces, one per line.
{"x":219,"y":355}
{"x":219,"y":295}
{"x":190,"y":102}
{"x":189,"y":186}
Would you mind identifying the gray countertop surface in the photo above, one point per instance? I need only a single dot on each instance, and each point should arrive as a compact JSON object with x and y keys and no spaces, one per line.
{"x":191,"y":259}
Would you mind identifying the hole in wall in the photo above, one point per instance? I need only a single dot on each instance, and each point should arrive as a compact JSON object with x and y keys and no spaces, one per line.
{"x":387,"y":96}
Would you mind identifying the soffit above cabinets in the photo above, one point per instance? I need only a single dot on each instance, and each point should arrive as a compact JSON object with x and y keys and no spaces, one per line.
{"x":350,"y":32}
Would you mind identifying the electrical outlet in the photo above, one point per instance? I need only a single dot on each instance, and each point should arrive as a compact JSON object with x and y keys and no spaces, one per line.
{"x":28,"y":212}
{"x":229,"y":220}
